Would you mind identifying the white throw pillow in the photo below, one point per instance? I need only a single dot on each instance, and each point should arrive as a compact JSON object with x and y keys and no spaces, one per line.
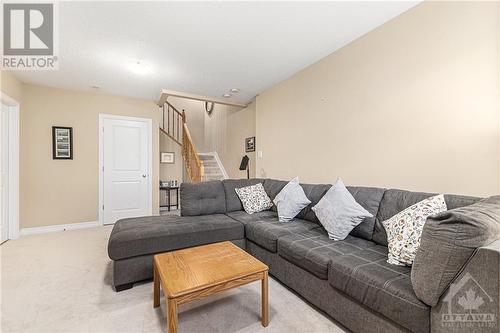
{"x":339,"y":212}
{"x":254,"y":198}
{"x":404,"y":229}
{"x":291,"y":200}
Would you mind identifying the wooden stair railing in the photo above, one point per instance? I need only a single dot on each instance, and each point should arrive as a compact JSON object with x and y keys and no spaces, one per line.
{"x":194,"y":165}
{"x":174,"y":125}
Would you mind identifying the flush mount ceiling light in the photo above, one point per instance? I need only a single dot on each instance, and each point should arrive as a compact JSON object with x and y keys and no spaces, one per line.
{"x":140,"y":68}
{"x":234,"y":90}
{"x":227,"y":95}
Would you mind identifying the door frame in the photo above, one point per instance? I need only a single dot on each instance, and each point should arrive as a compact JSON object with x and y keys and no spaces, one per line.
{"x":13,"y":168}
{"x":149,"y":124}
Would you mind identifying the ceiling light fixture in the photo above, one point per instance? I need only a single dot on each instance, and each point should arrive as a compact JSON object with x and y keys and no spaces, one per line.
{"x":227,"y":95}
{"x":234,"y":90}
{"x":138,"y":67}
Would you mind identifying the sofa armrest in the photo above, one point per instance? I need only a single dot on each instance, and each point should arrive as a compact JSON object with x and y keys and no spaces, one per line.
{"x":472,"y":299}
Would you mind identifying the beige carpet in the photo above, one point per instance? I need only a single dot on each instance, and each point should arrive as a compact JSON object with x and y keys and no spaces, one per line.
{"x":60,"y":282}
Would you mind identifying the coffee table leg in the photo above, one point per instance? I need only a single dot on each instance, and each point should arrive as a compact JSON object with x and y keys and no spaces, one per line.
{"x":156,"y":287}
{"x":265,"y":304}
{"x":172,"y":315}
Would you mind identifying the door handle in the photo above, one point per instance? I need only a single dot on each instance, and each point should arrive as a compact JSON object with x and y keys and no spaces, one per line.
{"x":144,"y":176}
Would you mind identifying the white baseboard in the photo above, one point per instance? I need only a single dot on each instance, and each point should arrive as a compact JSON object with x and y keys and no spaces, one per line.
{"x":58,"y":227}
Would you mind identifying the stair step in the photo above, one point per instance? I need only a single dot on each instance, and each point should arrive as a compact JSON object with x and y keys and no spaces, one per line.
{"x":206,"y":157}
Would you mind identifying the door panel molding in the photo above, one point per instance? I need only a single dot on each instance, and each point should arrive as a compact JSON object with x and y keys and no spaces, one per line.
{"x":149,"y":123}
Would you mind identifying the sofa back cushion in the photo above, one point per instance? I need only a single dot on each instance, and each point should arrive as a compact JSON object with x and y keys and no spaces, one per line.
{"x":273,"y":187}
{"x":395,"y":201}
{"x":314,"y":192}
{"x":203,"y":198}
{"x":233,"y":202}
{"x":368,"y":197}
{"x":448,"y":240}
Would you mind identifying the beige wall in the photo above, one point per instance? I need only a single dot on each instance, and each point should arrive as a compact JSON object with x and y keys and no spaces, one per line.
{"x":412,"y":104}
{"x":11,"y":86}
{"x":67,"y":191}
{"x":170,"y":171}
{"x":241,"y":125}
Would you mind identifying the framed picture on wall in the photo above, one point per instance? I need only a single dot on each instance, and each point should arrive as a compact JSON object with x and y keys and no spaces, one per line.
{"x":167,"y":157}
{"x":62,"y":143}
{"x":250,"y":144}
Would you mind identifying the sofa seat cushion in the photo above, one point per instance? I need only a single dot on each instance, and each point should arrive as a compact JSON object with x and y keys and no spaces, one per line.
{"x":244,"y":217}
{"x":266,"y":232}
{"x":367,"y":277}
{"x":312,"y":249}
{"x":154,"y":234}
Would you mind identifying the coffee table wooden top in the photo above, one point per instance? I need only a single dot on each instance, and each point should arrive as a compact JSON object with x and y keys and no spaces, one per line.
{"x":197,"y":268}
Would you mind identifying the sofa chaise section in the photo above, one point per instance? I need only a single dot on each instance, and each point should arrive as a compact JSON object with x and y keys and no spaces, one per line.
{"x":134,"y":241}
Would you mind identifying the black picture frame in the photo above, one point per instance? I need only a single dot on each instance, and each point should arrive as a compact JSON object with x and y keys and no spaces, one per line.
{"x":62,"y":143}
{"x":250,"y":144}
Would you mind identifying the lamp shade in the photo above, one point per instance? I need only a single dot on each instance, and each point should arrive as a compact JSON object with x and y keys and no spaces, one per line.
{"x":244,"y":163}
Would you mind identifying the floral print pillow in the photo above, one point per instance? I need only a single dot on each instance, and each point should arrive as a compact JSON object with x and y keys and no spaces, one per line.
{"x":405,"y":229}
{"x":254,"y":198}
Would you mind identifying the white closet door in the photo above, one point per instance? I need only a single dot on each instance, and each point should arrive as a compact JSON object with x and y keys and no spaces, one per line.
{"x":126,"y":163}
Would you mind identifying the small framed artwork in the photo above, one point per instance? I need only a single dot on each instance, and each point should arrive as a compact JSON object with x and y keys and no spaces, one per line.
{"x":167,"y":157}
{"x":62,"y":143}
{"x":250,"y":144}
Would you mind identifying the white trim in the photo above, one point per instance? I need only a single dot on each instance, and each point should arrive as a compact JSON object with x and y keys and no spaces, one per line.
{"x":149,"y":123}
{"x":58,"y":228}
{"x":221,"y":166}
{"x":219,"y":162}
{"x":13,"y":165}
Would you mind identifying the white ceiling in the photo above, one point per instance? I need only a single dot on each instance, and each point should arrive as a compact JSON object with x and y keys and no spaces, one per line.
{"x":203,"y":48}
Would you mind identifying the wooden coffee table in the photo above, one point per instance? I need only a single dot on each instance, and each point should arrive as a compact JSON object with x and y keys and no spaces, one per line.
{"x":190,"y":274}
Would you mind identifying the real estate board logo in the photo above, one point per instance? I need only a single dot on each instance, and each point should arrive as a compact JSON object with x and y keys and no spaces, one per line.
{"x":468,"y":305}
{"x":29,"y":36}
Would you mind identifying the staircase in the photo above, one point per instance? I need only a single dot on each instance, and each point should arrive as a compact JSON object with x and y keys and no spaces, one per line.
{"x":199,"y":167}
{"x":214,"y":170}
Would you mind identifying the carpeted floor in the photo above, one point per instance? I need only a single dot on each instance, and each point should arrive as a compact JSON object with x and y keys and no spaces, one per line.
{"x":60,"y":282}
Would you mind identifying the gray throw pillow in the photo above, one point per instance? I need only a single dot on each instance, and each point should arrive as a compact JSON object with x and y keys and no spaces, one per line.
{"x":291,"y":200}
{"x":339,"y":212}
{"x":448,"y":240}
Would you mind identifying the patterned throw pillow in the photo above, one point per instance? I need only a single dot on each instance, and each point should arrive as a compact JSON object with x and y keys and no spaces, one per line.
{"x":291,"y":200}
{"x":405,"y":229}
{"x":254,"y":198}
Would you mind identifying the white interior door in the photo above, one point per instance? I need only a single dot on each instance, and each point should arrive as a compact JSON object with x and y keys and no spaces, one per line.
{"x":4,"y":172}
{"x":126,"y":149}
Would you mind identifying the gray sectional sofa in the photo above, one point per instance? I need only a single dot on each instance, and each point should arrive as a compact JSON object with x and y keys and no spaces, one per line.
{"x":350,"y":280}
